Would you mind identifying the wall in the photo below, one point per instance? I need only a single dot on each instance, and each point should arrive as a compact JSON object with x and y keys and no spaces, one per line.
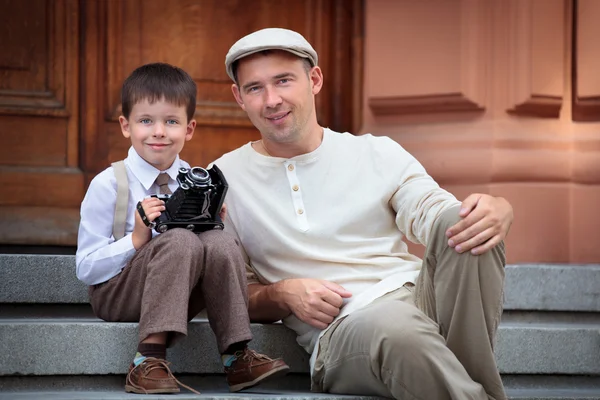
{"x":500,"y":97}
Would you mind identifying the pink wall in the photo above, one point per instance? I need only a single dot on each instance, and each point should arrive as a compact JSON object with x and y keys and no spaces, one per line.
{"x":481,"y":93}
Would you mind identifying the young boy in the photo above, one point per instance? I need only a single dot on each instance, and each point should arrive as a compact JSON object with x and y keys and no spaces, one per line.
{"x":163,"y":280}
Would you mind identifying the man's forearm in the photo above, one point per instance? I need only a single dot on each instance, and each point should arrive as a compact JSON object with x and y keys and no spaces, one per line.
{"x":266,"y":303}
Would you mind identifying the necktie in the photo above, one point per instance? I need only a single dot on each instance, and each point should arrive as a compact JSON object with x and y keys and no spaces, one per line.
{"x":163,"y":183}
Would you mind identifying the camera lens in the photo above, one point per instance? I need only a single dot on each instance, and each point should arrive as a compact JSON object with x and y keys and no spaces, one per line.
{"x":199,"y":176}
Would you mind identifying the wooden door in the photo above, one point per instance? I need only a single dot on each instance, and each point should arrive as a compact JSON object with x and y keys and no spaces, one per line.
{"x":60,"y":86}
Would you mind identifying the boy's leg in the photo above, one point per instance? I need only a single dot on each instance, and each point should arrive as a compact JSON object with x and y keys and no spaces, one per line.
{"x":154,"y":289}
{"x":464,"y":294}
{"x":223,"y":290}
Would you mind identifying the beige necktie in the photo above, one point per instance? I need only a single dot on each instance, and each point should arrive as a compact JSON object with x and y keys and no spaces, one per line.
{"x":163,"y":183}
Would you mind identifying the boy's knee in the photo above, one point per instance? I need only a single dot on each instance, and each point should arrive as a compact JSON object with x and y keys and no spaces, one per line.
{"x":219,"y":244}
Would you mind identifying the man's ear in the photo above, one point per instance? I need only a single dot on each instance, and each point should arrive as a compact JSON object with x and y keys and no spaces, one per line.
{"x":124,"y":126}
{"x":316,"y":79}
{"x":189,"y":133}
{"x":235,"y":89}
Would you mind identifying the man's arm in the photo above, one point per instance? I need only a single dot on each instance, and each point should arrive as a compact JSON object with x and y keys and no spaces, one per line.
{"x":313,"y":301}
{"x":265,"y":303}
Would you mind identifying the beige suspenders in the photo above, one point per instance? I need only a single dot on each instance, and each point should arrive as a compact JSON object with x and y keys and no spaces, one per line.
{"x":122,"y":199}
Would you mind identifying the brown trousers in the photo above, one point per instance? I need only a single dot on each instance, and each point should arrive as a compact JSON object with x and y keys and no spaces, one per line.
{"x":174,"y":277}
{"x":433,"y":344}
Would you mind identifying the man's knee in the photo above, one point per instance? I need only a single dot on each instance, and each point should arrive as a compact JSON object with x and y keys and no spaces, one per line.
{"x":446,"y":219}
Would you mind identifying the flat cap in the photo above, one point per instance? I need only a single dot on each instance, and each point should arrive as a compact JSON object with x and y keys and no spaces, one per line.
{"x":270,"y":39}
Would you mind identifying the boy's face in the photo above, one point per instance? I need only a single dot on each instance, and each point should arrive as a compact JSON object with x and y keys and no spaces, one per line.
{"x":158,"y":131}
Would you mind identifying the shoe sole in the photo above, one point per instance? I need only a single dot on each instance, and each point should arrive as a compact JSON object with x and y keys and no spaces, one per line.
{"x":274,"y":373}
{"x":131,"y":389}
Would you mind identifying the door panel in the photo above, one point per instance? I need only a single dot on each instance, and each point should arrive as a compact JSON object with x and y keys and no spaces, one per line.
{"x":60,"y":88}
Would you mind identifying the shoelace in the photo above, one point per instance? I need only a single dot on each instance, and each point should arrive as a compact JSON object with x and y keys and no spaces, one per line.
{"x":249,"y":354}
{"x":150,"y":364}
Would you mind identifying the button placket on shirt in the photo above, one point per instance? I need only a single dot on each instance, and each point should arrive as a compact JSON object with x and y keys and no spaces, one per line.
{"x":296,"y":193}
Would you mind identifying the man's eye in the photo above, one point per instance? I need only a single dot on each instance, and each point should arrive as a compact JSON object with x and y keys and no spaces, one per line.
{"x":253,"y":89}
{"x":284,"y":81}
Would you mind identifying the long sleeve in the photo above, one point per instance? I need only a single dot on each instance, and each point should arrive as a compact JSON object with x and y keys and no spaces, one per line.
{"x":99,"y":257}
{"x":418,"y":199}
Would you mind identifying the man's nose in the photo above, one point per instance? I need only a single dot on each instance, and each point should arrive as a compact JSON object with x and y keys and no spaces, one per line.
{"x":273,"y":99}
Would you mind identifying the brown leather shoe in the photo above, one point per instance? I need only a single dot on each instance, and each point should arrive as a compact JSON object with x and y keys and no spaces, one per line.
{"x":251,"y":368}
{"x":152,"y":376}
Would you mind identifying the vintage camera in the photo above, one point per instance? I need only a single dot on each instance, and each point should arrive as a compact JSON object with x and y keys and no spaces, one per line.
{"x":196,"y":203}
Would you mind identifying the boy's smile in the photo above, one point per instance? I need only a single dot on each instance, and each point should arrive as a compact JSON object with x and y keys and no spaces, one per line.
{"x":158,"y":131}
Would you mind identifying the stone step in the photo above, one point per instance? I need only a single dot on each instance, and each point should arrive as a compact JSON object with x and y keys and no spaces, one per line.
{"x":527,"y":343}
{"x":292,"y":387}
{"x":33,"y":278}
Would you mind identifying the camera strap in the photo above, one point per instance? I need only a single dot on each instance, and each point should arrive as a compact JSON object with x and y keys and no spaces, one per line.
{"x":120,"y":218}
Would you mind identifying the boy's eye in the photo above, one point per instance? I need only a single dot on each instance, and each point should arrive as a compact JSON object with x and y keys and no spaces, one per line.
{"x":172,"y":122}
{"x":145,"y":121}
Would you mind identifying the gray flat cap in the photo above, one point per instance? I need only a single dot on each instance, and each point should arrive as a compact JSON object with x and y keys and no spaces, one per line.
{"x":270,"y":39}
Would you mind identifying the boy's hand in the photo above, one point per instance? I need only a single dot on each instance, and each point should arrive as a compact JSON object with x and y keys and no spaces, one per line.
{"x":141,"y":233}
{"x":223,"y":212}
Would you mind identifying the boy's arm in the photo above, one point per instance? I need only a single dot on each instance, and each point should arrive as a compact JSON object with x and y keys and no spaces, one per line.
{"x":99,"y":257}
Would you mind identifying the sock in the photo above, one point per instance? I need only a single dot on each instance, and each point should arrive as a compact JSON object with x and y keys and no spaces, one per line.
{"x":230,"y":354}
{"x":149,"y":350}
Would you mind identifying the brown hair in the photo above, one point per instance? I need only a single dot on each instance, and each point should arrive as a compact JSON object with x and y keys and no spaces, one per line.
{"x":159,"y":81}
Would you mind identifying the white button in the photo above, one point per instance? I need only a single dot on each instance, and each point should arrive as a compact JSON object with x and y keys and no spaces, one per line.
{"x":300,"y":211}
{"x":291,"y":167}
{"x":295,"y":188}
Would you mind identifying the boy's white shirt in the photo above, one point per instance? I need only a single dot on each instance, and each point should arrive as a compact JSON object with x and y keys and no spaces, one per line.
{"x":99,"y":257}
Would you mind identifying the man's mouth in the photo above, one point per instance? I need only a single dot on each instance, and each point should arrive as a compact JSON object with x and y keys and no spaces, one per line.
{"x":278,"y":116}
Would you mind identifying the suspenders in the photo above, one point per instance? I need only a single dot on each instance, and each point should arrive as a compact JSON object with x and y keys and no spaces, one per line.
{"x":122,"y":199}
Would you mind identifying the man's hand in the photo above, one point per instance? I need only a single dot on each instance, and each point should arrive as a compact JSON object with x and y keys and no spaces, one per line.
{"x":316,"y":302}
{"x":141,"y":235}
{"x":486,"y":221}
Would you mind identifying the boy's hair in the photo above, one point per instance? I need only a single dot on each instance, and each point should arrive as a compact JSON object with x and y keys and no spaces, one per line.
{"x":156,"y":82}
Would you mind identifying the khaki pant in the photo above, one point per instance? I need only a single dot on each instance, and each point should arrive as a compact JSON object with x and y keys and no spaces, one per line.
{"x":433,"y":344}
{"x":174,"y":277}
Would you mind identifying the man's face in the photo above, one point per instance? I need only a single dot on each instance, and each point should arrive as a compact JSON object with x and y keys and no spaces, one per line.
{"x":277,"y":93}
{"x":158,"y":131}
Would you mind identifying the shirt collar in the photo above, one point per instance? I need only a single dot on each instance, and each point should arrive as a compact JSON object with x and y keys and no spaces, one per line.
{"x":145,"y":172}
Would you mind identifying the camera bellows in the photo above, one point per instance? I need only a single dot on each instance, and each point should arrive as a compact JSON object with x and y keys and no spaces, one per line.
{"x":163,"y":183}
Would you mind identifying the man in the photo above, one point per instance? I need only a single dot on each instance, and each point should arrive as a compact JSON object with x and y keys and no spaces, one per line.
{"x":322,"y":216}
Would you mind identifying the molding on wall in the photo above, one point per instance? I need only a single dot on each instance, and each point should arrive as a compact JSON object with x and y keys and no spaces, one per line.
{"x":402,"y":105}
{"x":523,"y":21}
{"x":585,"y":108}
{"x":538,"y":106}
{"x":456,"y":157}
{"x":463,"y":91}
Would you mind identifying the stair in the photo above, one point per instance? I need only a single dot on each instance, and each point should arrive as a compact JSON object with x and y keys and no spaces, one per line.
{"x":52,"y":346}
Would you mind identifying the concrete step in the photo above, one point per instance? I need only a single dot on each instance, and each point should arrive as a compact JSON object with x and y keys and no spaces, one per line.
{"x":292,"y":387}
{"x":530,"y":343}
{"x":33,"y":278}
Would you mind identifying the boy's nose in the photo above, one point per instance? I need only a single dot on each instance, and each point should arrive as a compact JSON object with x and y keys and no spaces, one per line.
{"x":159,"y":129}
